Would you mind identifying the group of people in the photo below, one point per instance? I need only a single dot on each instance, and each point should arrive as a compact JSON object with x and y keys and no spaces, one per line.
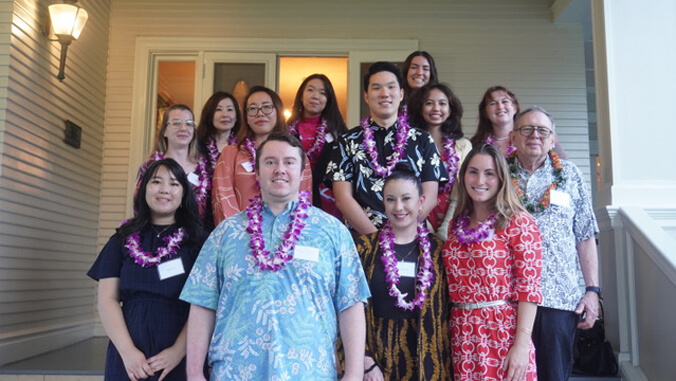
{"x":262,"y":249}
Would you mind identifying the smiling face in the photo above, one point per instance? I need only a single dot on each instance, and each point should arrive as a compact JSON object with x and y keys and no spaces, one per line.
{"x":314,"y":98}
{"x":403,"y":203}
{"x":534,"y":147}
{"x":418,"y":73}
{"x":261,"y":124}
{"x":481,"y":180}
{"x":383,"y":97}
{"x":180,"y":129}
{"x":225,"y":115}
{"x":500,"y":109}
{"x":163,"y":196}
{"x":436,"y":108}
{"x":279,"y":171}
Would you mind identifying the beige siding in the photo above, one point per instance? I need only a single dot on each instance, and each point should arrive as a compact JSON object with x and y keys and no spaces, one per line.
{"x":476,"y":44}
{"x":49,"y":191}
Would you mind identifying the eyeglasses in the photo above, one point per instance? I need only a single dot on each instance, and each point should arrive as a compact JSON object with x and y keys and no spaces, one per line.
{"x":265,"y":109}
{"x":176,"y":123}
{"x":527,"y":131}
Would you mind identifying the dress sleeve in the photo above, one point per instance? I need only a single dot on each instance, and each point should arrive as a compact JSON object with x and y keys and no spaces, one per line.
{"x":526,"y":248}
{"x":223,"y":197}
{"x":109,"y":262}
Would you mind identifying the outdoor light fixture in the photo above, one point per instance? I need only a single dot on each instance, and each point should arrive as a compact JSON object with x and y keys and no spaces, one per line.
{"x":66,"y":20}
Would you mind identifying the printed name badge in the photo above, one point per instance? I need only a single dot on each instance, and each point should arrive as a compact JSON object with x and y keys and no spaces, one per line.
{"x":170,"y":268}
{"x":329,"y":137}
{"x":559,"y":198}
{"x":247,"y":166}
{"x":306,"y":253}
{"x":406,"y":269}
{"x":193,"y":178}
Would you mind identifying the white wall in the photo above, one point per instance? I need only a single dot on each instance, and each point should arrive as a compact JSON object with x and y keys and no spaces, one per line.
{"x":49,"y":191}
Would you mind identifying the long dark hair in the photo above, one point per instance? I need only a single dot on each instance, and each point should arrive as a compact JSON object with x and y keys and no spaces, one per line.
{"x":451,"y":128}
{"x":331,"y":112}
{"x":485,"y":127}
{"x":206,"y":128}
{"x":434,"y":77}
{"x":280,"y":124}
{"x":186,"y":215}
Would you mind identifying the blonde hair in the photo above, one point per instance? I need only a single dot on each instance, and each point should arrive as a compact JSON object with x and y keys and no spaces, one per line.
{"x":161,"y":143}
{"x":506,"y":204}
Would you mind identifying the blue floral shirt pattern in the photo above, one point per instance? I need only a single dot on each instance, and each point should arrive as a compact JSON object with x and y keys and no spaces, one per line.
{"x":350,"y":162}
{"x":561,"y":227}
{"x":276,"y":325}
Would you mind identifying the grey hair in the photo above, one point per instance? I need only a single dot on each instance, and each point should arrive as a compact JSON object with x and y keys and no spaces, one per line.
{"x":535,"y":108}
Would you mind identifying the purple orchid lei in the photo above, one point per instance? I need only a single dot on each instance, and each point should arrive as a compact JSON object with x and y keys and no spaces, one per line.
{"x":320,"y":138}
{"x":473,"y":235}
{"x":283,"y":253}
{"x":492,"y":141}
{"x":251,"y":147}
{"x":424,"y":277}
{"x":146,"y":259}
{"x":451,"y":164}
{"x":212,"y":147}
{"x":370,"y":146}
{"x":204,"y":185}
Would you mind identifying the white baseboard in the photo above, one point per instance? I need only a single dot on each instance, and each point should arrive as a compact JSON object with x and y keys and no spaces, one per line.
{"x":16,"y":346}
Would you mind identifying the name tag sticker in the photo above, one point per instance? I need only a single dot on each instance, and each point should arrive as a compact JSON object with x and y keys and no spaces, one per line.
{"x":329,"y":138}
{"x":559,"y":198}
{"x":193,"y":178}
{"x":247,"y":166}
{"x":406,"y":269}
{"x":170,"y":268}
{"x":306,"y":253}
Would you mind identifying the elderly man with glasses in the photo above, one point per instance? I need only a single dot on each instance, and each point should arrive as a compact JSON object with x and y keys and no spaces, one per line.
{"x":554,"y":192}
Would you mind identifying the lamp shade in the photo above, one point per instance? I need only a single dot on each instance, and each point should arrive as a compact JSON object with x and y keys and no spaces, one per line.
{"x":67,"y":19}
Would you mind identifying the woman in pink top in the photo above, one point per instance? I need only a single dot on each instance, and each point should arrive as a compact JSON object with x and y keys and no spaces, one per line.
{"x":316,"y":121}
{"x":234,"y":181}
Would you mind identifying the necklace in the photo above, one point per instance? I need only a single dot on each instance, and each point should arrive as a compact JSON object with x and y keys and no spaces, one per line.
{"x":147,"y":259}
{"x":492,"y":140}
{"x":451,"y":164}
{"x":212,"y":150}
{"x":473,"y":235}
{"x":320,"y":138}
{"x":424,"y":277}
{"x":559,"y":180}
{"x":160,"y":232}
{"x":257,"y":244}
{"x":203,"y":180}
{"x":370,"y":146}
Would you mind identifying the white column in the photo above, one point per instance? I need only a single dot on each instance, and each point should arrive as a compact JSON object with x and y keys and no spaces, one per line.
{"x":635,"y":56}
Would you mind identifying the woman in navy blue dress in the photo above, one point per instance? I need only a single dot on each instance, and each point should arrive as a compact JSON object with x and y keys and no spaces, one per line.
{"x":141,"y":272}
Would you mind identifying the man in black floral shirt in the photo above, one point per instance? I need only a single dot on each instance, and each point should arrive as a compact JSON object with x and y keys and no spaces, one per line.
{"x":554,"y":192}
{"x":365,"y":155}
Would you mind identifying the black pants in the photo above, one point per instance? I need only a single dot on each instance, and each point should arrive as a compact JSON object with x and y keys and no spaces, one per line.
{"x":553,"y":337}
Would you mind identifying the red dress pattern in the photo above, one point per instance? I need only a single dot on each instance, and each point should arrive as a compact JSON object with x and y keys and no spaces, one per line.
{"x":505,"y":266}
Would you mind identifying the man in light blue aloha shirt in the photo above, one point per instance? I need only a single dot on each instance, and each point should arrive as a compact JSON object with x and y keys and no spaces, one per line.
{"x":277,"y":325}
{"x":568,"y":227}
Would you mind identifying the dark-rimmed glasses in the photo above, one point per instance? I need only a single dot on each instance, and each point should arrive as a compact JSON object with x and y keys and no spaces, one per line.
{"x":527,"y":131}
{"x":265,"y":109}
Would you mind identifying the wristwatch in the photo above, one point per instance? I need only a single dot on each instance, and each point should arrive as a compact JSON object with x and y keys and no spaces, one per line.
{"x":594,"y":289}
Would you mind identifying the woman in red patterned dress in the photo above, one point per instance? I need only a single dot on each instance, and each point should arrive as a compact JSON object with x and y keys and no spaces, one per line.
{"x":493,"y":260}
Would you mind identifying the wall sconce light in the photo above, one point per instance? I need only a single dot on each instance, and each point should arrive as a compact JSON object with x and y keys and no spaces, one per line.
{"x":67,"y":20}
